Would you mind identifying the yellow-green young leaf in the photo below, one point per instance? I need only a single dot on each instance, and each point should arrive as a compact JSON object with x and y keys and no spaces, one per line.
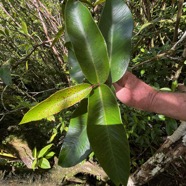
{"x":26,"y":65}
{"x":34,"y":164}
{"x":50,"y":155}
{"x":58,"y":101}
{"x":24,"y":28}
{"x":53,"y":135}
{"x":44,"y":150}
{"x":58,"y":35}
{"x":34,"y":152}
{"x":44,"y":163}
{"x":98,"y":2}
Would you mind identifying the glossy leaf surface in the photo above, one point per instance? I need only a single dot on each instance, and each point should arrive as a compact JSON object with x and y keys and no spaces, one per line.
{"x":107,"y":135}
{"x":116,"y":25}
{"x":76,"y":146}
{"x":58,"y":101}
{"x":75,"y":70}
{"x":88,"y":42}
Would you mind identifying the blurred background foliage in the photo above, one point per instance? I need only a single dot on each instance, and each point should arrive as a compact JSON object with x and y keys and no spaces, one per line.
{"x":33,"y":65}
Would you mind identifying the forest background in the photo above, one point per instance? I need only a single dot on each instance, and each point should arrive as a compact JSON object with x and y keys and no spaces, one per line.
{"x":33,"y":65}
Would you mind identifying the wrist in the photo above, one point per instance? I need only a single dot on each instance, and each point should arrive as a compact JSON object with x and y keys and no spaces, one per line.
{"x":152,"y":97}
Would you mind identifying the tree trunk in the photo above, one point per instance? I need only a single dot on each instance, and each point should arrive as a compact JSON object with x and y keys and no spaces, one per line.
{"x":173,"y":148}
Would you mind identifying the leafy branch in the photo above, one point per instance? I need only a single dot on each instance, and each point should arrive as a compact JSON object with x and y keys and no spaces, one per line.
{"x":166,"y":54}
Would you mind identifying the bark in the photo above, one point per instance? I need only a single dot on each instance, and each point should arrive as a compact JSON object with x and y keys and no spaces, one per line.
{"x":172,"y":149}
{"x":60,"y":174}
{"x":22,"y":151}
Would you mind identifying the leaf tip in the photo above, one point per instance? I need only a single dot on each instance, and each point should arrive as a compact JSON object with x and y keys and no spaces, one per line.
{"x":22,"y":122}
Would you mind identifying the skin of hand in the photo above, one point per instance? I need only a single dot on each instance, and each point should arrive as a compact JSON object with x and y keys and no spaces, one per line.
{"x":135,"y":93}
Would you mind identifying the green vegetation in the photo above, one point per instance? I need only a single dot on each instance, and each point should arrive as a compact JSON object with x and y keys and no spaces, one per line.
{"x":52,"y":65}
{"x":102,"y":121}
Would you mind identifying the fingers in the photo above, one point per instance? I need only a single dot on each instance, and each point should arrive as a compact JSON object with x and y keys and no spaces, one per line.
{"x":127,"y":77}
{"x":117,"y":86}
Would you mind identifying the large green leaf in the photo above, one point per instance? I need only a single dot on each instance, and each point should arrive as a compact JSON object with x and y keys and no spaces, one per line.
{"x":55,"y":103}
{"x":75,"y":70}
{"x":116,"y":25}
{"x":76,"y":146}
{"x":88,"y":42}
{"x":107,"y":135}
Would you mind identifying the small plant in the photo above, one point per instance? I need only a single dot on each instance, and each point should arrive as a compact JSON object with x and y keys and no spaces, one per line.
{"x":98,"y":56}
{"x":41,"y":157}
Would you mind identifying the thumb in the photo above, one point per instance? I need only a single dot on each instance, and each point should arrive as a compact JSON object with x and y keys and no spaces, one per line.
{"x":117,"y":87}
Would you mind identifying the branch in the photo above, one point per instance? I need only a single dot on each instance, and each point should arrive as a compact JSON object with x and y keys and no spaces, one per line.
{"x":68,"y":174}
{"x":171,"y":149}
{"x":22,"y":151}
{"x":2,"y":100}
{"x":33,"y":50}
{"x":36,"y":3}
{"x":179,"y":14}
{"x":166,"y":53}
{"x":9,"y":112}
{"x":183,"y":37}
{"x":9,"y":15}
{"x":159,"y":56}
{"x":43,"y":91}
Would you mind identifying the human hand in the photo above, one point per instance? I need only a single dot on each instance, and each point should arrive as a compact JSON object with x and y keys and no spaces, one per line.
{"x":134,"y":92}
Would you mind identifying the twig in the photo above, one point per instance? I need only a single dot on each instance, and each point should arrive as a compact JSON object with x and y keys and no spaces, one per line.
{"x":9,"y":15}
{"x":161,"y":55}
{"x":165,"y":155}
{"x":3,"y":115}
{"x":179,"y":14}
{"x":50,"y":17}
{"x":183,"y":37}
{"x":166,"y":53}
{"x":22,"y":150}
{"x":36,"y":3}
{"x":9,"y":112}
{"x":36,"y":93}
{"x":2,"y":94}
{"x":180,"y":131}
{"x":68,"y":174}
{"x":33,"y":50}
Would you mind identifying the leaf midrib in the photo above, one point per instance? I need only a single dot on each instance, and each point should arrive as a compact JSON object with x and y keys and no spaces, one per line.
{"x":105,"y":122}
{"x":86,"y":42}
